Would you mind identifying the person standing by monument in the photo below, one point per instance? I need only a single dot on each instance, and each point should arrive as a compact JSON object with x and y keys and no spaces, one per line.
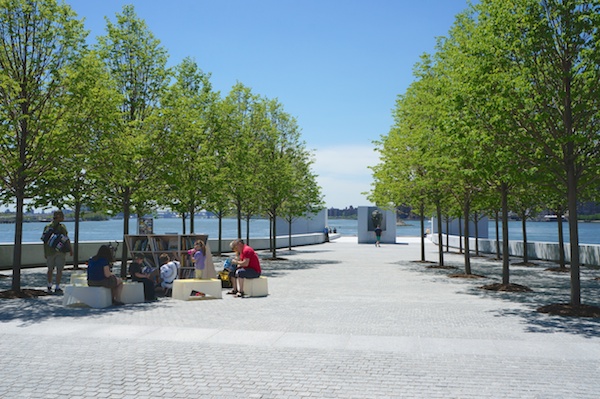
{"x":378,"y":236}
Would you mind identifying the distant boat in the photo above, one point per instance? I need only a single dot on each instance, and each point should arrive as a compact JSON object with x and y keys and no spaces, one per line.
{"x":553,"y":218}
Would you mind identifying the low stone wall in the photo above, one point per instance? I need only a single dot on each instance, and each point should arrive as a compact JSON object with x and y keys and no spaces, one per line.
{"x":33,"y":253}
{"x":588,"y":254}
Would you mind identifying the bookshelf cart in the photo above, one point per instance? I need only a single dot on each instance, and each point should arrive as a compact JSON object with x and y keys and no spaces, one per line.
{"x":175,"y":245}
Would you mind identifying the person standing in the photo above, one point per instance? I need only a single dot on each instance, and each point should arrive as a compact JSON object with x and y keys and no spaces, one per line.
{"x":55,"y":259}
{"x":248,"y":266}
{"x":198,"y":254}
{"x":378,"y":236}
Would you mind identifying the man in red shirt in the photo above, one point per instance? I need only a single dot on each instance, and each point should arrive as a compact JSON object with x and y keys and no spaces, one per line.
{"x":248,"y":266}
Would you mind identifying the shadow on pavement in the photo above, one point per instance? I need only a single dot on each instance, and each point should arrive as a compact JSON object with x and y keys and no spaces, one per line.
{"x":548,"y":288}
{"x":281,"y":268}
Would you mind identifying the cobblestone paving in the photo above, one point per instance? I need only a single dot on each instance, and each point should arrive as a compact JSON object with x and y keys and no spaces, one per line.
{"x":342,"y":320}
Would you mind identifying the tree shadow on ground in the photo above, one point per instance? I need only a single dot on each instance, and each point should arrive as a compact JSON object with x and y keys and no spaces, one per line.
{"x":287,"y":252}
{"x":277,"y":269}
{"x":36,"y":310}
{"x":547,"y":288}
{"x":536,"y":322}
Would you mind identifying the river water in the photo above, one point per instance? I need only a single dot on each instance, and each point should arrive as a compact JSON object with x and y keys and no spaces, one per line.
{"x":589,"y":233}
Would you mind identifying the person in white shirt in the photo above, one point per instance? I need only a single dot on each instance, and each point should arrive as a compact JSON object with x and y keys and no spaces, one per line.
{"x":169,"y":270}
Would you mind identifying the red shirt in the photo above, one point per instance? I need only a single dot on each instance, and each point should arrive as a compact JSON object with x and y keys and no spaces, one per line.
{"x":248,"y":253}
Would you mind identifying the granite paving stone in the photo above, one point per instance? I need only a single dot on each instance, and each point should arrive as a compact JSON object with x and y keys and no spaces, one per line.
{"x":342,"y":320}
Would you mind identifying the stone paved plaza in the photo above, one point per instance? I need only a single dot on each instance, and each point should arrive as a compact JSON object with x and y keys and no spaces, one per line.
{"x":342,"y":320}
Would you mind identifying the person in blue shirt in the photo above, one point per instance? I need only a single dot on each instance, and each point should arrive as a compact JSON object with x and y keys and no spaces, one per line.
{"x":99,"y":274}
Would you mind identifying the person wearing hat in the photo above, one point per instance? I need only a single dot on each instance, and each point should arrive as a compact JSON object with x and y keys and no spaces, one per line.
{"x":56,"y":259}
{"x":137,"y":274}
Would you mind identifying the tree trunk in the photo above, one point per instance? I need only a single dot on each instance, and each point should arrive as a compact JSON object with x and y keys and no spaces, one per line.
{"x":248,"y":229}
{"x":239,"y":222}
{"x":524,"y":228}
{"x":460,"y":236}
{"x":497,"y":236}
{"x":76,"y":235}
{"x":16,"y":275}
{"x":126,"y":214}
{"x":274,"y":234}
{"x":573,"y":235}
{"x":220,"y":215}
{"x":192,"y":212}
{"x":476,"y":219}
{"x":290,"y":235}
{"x":422,"y":211}
{"x":505,"y":264}
{"x":466,"y":235}
{"x":561,"y":239}
{"x":440,"y":235}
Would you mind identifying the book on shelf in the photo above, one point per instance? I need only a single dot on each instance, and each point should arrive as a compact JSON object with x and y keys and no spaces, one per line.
{"x":140,"y":244}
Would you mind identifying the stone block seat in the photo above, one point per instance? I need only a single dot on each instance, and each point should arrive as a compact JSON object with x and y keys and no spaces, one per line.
{"x":182,"y":288}
{"x":94,"y":297}
{"x":256,"y":287}
{"x":133,"y":292}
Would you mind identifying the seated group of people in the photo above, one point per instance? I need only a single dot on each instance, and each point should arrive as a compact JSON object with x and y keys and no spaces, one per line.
{"x":154,"y":277}
{"x":246,"y":262}
{"x":100,"y":274}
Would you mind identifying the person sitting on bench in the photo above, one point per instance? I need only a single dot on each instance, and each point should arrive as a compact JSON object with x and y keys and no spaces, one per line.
{"x":148,"y":279}
{"x":169,"y":270}
{"x":99,"y":274}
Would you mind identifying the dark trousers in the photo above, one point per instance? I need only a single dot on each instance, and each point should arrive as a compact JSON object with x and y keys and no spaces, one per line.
{"x":149,"y":291}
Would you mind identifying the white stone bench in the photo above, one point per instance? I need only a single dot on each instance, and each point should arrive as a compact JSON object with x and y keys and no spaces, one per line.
{"x":256,"y":287}
{"x":182,"y":288}
{"x":94,"y":297}
{"x":133,"y":292}
{"x":79,"y":278}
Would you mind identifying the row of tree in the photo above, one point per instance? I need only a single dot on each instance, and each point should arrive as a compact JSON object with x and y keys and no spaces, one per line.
{"x":505,"y":115}
{"x":112,"y":128}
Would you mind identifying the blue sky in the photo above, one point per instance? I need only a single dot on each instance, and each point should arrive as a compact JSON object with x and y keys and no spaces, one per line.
{"x":337,"y":66}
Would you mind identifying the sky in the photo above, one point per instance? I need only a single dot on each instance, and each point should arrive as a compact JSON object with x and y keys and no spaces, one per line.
{"x":337,"y":66}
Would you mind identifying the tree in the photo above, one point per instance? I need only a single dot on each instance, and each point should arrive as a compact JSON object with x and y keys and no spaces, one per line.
{"x":39,"y":40}
{"x":137,"y":63}
{"x":284,"y":163}
{"x":304,"y":197}
{"x":243,"y":124}
{"x":90,"y":115}
{"x":185,"y":122}
{"x":554,"y":46}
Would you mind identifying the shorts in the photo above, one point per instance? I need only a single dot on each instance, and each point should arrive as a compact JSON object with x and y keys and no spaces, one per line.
{"x":57,"y":261}
{"x":246,"y":273}
{"x":198,"y":273}
{"x":109,"y":282}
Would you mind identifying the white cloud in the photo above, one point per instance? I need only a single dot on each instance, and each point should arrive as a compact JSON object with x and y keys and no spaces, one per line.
{"x":343,"y":174}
